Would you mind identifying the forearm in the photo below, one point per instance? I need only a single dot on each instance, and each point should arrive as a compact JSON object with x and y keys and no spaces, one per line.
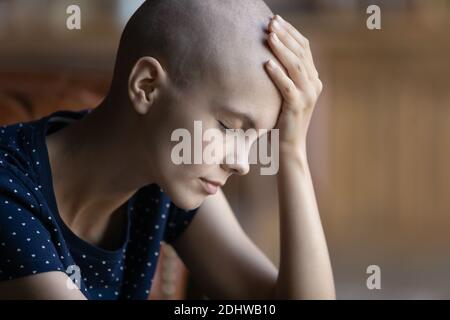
{"x":305,"y":269}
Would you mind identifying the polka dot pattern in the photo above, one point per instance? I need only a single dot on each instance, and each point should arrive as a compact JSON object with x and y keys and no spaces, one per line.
{"x":34,"y":239}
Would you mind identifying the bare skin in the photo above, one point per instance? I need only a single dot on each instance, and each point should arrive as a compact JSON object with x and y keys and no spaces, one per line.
{"x":220,"y":256}
{"x":305,"y":269}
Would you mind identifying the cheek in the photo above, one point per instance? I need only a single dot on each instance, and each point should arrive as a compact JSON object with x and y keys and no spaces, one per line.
{"x":184,"y":120}
{"x":193,"y":171}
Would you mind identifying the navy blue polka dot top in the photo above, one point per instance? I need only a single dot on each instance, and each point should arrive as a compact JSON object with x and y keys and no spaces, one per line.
{"x":34,"y":239}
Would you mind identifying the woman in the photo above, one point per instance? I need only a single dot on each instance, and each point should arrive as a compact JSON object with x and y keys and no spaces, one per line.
{"x":86,"y":198}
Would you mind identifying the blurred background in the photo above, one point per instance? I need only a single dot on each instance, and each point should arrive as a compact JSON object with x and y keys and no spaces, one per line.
{"x":378,"y":145}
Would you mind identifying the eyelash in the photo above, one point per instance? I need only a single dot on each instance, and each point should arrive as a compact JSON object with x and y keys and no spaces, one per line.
{"x":223,"y":126}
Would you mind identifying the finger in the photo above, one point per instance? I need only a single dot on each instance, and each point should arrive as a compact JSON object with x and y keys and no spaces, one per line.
{"x":290,"y":61}
{"x":295,"y":47}
{"x":293,"y":31}
{"x":291,"y":40}
{"x":286,"y":86}
{"x":287,"y":38}
{"x":304,"y":42}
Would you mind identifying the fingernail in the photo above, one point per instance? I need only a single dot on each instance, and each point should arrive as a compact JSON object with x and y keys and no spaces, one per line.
{"x":271,"y":64}
{"x":279,"y":18}
{"x":274,"y":37}
{"x":276,"y":25}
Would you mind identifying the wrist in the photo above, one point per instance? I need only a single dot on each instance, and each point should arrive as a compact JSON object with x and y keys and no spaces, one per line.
{"x":297,"y":155}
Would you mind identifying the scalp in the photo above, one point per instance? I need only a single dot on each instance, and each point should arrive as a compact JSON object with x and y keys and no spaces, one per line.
{"x":194,"y":39}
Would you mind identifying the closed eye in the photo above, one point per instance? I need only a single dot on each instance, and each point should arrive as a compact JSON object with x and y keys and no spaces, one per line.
{"x":222,"y":125}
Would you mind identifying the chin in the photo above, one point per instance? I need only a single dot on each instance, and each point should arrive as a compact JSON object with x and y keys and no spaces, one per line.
{"x":188,"y":202}
{"x":185,"y":197}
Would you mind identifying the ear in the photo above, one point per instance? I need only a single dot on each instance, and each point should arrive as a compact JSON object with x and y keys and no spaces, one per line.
{"x":146,"y":81}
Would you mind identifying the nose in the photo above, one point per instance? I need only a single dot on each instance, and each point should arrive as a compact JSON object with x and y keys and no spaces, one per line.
{"x":236,"y":159}
{"x":238,"y":167}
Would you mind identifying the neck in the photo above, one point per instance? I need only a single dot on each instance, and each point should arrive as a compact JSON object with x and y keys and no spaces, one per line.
{"x":95,"y":168}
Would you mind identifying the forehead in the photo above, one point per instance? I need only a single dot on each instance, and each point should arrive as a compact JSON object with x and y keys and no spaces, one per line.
{"x":234,"y":66}
{"x":245,"y":87}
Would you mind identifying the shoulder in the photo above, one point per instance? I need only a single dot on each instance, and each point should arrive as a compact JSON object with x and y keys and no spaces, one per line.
{"x":17,"y":147}
{"x":25,"y":240}
{"x":17,"y":190}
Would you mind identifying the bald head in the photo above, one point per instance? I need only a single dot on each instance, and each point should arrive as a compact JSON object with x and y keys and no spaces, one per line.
{"x":194,"y":39}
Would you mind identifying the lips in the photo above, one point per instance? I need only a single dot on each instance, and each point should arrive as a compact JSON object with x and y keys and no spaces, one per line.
{"x":211,"y":187}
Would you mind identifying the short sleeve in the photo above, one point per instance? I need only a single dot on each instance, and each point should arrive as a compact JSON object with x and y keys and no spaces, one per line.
{"x":25,"y":243}
{"x":177,"y":223}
